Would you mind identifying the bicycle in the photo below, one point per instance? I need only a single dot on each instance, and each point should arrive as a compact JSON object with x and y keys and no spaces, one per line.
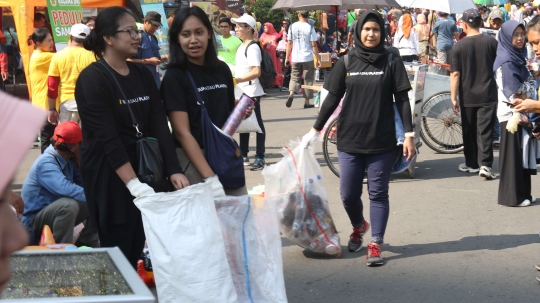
{"x":330,"y":147}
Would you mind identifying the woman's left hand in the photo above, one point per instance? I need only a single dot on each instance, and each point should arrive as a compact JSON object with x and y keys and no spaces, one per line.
{"x":179,"y":181}
{"x":409,"y":150}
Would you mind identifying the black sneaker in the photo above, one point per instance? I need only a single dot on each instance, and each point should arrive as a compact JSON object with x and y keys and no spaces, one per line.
{"x":307,"y":105}
{"x":258,"y":164}
{"x":289,"y":101}
{"x":246,"y":161}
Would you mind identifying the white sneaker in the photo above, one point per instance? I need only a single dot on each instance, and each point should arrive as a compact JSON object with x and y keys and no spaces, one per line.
{"x":486,"y":172}
{"x":533,"y":199}
{"x":464,"y":168}
{"x":525,"y":203}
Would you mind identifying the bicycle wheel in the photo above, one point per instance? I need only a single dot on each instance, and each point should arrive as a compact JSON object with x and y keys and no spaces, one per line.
{"x":330,"y":147}
{"x":441,"y":128}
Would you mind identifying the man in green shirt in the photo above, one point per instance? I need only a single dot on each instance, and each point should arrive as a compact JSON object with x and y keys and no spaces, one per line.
{"x":229,"y":42}
{"x":351,"y":17}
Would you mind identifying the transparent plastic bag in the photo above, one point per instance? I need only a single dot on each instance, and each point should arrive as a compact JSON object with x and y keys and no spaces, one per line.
{"x":296,"y":185}
{"x":250,"y":228}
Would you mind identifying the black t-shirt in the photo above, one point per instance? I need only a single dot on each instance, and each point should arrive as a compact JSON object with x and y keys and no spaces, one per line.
{"x":215,"y":87}
{"x":473,"y":58}
{"x":366,"y":123}
{"x":109,"y":138}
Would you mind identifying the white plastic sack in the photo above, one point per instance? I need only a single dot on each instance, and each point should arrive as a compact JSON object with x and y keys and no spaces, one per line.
{"x":186,"y":245}
{"x":249,"y":125}
{"x":296,"y":184}
{"x":250,"y":228}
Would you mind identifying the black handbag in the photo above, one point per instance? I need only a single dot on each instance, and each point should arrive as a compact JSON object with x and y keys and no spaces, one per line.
{"x":149,"y":159}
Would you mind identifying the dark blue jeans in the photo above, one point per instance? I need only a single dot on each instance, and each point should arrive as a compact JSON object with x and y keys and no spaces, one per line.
{"x":261,"y":137}
{"x":379,"y":168}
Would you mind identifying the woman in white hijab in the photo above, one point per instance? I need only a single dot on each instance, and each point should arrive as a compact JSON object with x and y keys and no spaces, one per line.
{"x":516,"y":14}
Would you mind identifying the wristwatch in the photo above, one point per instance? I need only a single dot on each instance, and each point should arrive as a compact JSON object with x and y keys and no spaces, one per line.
{"x":410,"y":134}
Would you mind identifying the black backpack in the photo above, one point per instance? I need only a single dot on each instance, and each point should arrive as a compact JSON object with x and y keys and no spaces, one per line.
{"x":268,"y":73}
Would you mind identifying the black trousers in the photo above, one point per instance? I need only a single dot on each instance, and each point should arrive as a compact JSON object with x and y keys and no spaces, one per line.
{"x":46,"y":134}
{"x":261,"y":138}
{"x":477,"y":124}
{"x":286,"y":70}
{"x":515,"y":183}
{"x":129,"y":237}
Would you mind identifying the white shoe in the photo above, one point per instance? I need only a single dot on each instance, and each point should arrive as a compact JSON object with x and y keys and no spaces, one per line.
{"x":464,"y":168}
{"x":533,"y":199}
{"x":525,"y":203}
{"x":487,"y":173}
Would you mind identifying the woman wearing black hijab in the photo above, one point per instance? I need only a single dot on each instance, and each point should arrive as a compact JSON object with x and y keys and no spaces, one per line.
{"x":367,"y":135}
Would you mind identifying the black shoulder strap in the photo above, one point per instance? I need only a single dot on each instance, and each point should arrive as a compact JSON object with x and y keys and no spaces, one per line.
{"x":250,"y":43}
{"x":133,"y":120}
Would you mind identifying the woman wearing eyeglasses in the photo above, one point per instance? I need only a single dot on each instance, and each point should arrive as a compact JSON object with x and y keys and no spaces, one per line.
{"x":515,"y":82}
{"x":108,"y":151}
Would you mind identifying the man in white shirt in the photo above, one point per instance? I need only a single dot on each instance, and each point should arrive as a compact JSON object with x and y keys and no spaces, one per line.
{"x":302,"y":42}
{"x":247,"y":73}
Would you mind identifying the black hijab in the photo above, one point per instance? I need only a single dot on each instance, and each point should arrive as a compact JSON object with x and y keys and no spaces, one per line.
{"x":368,"y":55}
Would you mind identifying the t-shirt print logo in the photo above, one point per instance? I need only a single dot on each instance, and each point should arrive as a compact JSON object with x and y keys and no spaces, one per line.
{"x":134,"y":100}
{"x":380,"y":73}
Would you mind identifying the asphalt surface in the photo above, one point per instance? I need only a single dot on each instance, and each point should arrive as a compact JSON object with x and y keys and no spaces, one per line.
{"x":447,"y":239}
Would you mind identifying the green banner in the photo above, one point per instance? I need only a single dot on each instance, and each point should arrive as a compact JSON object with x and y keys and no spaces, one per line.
{"x":63,"y":14}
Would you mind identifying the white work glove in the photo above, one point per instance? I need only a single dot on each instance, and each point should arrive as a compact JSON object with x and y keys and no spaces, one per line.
{"x":310,"y":138}
{"x":138,"y":189}
{"x":513,"y":123}
{"x":217,"y":188}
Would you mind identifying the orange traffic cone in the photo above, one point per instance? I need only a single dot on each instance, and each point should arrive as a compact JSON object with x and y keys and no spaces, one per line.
{"x":46,"y":236}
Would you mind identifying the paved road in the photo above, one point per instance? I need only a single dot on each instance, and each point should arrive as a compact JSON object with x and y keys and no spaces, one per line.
{"x":447,"y":239}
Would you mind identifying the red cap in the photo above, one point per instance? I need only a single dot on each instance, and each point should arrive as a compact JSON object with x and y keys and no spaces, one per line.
{"x":68,"y":132}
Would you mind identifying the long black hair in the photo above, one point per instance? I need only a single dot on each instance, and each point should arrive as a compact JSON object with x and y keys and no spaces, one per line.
{"x":177,"y":56}
{"x":107,"y":22}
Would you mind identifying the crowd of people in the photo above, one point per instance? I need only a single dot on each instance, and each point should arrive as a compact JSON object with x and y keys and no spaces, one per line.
{"x":103,"y":92}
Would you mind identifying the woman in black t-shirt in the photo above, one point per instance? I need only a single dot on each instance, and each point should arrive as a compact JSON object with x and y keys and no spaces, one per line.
{"x":192,"y":48}
{"x":367,"y":136}
{"x":108,"y":151}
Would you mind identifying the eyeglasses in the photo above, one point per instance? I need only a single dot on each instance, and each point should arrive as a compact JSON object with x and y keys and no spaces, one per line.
{"x":226,"y":26}
{"x":155,"y":26}
{"x":133,"y":33}
{"x":517,"y":36}
{"x":243,"y":26}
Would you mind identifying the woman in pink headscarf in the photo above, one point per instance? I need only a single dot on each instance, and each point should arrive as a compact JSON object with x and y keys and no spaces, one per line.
{"x":423,"y":35}
{"x":269,"y":43}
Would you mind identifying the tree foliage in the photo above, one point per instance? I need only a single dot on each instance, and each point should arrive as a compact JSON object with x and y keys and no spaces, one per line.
{"x":261,"y":11}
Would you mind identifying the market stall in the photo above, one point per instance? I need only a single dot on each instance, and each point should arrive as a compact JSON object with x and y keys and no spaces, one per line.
{"x":23,"y":15}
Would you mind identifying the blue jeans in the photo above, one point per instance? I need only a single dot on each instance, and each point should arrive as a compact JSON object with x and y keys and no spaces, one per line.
{"x":379,"y":168}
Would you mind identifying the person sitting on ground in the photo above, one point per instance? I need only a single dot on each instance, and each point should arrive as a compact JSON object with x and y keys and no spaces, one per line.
{"x":53,"y":189}
{"x":327,"y":47}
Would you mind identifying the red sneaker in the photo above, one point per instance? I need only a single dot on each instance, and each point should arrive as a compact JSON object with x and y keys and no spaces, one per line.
{"x":374,"y":257}
{"x":355,"y":241}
